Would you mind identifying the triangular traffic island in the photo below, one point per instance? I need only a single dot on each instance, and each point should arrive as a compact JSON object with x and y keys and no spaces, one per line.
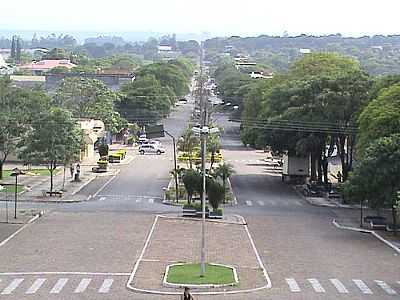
{"x":188,"y":275}
{"x":170,"y":259}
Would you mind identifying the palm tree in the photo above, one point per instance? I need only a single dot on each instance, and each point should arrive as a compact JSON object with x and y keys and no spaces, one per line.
{"x":213,"y":146}
{"x":188,"y":142}
{"x":224,"y":171}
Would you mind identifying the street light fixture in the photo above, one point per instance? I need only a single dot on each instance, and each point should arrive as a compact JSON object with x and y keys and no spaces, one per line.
{"x":16,"y":172}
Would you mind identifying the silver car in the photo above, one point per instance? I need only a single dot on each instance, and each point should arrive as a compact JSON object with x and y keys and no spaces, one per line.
{"x":151,"y":148}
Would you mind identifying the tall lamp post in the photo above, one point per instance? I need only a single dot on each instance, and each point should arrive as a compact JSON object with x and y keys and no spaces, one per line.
{"x":204,"y":131}
{"x":16,"y":172}
{"x":175,"y":167}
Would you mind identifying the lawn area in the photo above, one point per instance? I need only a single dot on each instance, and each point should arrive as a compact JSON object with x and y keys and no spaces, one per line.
{"x":190,"y":274}
{"x":32,"y":172}
{"x":11,"y":188}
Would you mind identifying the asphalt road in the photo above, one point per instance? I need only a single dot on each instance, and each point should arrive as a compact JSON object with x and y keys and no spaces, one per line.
{"x":306,"y":256}
{"x":87,"y":250}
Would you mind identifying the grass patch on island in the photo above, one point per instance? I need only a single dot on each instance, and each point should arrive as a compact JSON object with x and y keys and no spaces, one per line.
{"x":190,"y":274}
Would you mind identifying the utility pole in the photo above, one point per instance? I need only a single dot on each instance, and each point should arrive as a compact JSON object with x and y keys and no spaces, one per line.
{"x":203,"y":167}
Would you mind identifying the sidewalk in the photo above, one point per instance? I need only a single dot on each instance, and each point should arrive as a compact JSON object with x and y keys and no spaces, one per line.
{"x":35,"y":186}
{"x":8,"y":224}
{"x":350,"y":217}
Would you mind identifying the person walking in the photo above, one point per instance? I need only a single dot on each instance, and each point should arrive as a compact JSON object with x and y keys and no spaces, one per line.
{"x":72,"y":170}
{"x":186,"y":294}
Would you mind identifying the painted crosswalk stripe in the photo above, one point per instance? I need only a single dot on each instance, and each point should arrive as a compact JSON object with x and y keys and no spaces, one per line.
{"x":105,"y":287}
{"x":12,"y":286}
{"x":316,"y":285}
{"x":249,"y":203}
{"x":261,"y":203}
{"x":362,"y":286}
{"x":36,"y":286}
{"x":339,"y":286}
{"x":83,"y":285}
{"x":386,"y":287}
{"x":151,"y":200}
{"x":293,"y":286}
{"x":57,"y":288}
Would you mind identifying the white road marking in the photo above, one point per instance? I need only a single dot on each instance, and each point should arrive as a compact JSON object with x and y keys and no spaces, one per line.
{"x":316,"y":285}
{"x":386,"y":287}
{"x":83,"y":285}
{"x":102,"y":198}
{"x":298,"y":203}
{"x":105,"y":287}
{"x":249,"y":203}
{"x":261,"y":203}
{"x":339,"y":286}
{"x":138,"y":200}
{"x":59,"y":286}
{"x":12,"y":286}
{"x":151,"y":200}
{"x":293,"y":286}
{"x":362,"y":286}
{"x":36,"y":286}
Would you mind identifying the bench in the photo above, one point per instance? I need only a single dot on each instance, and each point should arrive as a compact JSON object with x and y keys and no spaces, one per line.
{"x":55,"y":193}
{"x":390,"y":227}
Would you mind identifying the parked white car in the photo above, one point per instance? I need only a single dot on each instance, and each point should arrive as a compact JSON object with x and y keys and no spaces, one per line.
{"x":151,"y":148}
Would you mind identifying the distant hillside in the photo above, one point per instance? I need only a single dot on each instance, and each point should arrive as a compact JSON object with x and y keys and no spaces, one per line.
{"x":378,"y":54}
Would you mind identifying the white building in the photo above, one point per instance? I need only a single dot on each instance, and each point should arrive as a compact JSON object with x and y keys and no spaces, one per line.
{"x":92,"y":131}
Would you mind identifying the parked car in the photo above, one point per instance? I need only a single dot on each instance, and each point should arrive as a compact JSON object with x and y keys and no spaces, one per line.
{"x":151,"y":148}
{"x":152,"y":142}
{"x":142,"y":139}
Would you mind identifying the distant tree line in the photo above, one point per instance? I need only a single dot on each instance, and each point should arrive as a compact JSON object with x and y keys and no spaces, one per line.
{"x":378,"y":55}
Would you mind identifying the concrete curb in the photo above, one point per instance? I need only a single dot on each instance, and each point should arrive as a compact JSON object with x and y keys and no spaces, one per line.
{"x":391,"y":245}
{"x":156,"y":292}
{"x":32,"y":220}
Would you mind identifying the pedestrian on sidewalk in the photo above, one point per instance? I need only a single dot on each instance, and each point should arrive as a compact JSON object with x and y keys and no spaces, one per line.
{"x":72,"y":170}
{"x":186,"y":294}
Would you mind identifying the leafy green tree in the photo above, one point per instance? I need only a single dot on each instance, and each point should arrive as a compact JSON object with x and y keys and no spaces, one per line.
{"x":59,"y":70}
{"x":54,"y":139}
{"x":377,"y":176}
{"x":57,"y":53}
{"x":380,"y":118}
{"x":144,"y":101}
{"x":89,"y":98}
{"x":19,"y":107}
{"x":224,"y":171}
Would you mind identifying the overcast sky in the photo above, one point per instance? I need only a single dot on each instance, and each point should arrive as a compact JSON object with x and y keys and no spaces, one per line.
{"x":219,"y":17}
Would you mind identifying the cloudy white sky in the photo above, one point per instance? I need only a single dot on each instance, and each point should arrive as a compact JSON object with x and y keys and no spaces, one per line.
{"x":219,"y":17}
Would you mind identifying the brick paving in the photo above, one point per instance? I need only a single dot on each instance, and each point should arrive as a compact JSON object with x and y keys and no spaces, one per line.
{"x":178,"y":240}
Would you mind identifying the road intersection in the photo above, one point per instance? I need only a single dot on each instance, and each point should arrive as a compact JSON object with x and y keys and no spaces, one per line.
{"x":87,"y":250}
